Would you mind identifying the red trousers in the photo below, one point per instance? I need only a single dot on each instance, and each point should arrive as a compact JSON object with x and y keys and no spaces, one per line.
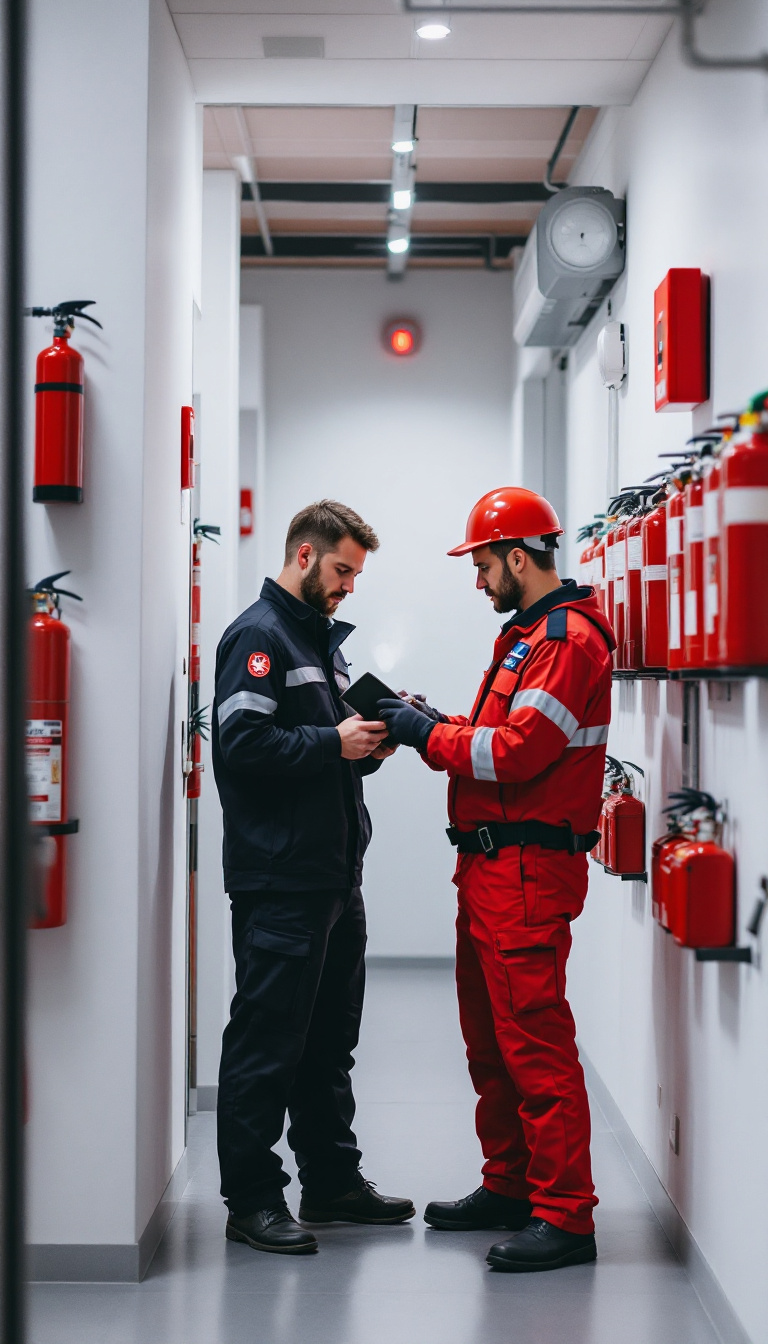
{"x":513,"y":939}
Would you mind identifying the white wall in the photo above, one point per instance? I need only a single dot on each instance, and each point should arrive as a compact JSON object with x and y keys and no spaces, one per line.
{"x":685,"y":155}
{"x":217,"y":384}
{"x":411,"y":444}
{"x":111,"y":176}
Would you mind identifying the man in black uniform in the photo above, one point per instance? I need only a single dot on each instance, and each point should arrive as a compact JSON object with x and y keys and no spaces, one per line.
{"x":289,"y":760}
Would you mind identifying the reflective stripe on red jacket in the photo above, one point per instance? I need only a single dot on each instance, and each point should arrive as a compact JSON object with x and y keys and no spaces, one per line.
{"x":534,"y":745}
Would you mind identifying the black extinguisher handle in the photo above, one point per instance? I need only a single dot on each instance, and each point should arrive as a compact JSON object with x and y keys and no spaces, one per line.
{"x":756,"y":919}
{"x":48,"y":585}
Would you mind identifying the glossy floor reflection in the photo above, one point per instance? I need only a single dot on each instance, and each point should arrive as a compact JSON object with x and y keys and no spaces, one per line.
{"x":407,"y":1284}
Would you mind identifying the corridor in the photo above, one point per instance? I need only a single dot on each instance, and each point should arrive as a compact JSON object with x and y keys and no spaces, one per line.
{"x":410,"y":1284}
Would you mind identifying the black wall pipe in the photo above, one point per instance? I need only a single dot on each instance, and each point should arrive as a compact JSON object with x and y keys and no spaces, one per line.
{"x":15,"y":831}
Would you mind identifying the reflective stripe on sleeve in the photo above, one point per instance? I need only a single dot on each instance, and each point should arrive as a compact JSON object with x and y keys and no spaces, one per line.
{"x":482,"y":754}
{"x":260,"y":704}
{"x":550,"y":707}
{"x":590,"y":737}
{"x":300,"y":676}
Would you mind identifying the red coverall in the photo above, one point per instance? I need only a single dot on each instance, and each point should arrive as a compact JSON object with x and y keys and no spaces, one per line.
{"x":532,"y":749}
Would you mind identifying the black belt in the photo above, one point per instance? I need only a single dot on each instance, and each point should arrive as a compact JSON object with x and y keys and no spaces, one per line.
{"x":496,"y":835}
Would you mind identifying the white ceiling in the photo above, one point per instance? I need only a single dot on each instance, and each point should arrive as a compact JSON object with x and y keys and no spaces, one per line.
{"x":373,"y":56}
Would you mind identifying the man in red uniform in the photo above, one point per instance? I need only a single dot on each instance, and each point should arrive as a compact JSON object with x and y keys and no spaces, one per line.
{"x":526,"y":777}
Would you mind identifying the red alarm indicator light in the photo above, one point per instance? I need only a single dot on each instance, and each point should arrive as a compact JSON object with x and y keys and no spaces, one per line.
{"x":402,"y":337}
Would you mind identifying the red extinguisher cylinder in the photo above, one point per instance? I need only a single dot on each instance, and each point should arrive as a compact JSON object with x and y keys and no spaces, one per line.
{"x":59,"y":424}
{"x":675,"y":580}
{"x":625,"y":832}
{"x":633,"y":617}
{"x":703,"y":897}
{"x":693,"y":574}
{"x":743,"y":625}
{"x":46,"y":753}
{"x":654,"y":573}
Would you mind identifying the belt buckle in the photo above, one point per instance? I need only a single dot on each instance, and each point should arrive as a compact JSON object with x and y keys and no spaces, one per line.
{"x":486,"y":840}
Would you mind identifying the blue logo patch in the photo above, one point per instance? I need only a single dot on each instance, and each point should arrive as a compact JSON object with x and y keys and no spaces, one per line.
{"x":515,"y":658}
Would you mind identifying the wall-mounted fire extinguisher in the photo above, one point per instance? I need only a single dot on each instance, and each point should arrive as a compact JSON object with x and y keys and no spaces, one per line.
{"x":693,"y":554}
{"x":675,"y":579}
{"x":47,"y":745}
{"x":196,"y":726}
{"x":744,"y":541}
{"x":623,"y":827}
{"x":59,"y":396}
{"x":654,"y":573}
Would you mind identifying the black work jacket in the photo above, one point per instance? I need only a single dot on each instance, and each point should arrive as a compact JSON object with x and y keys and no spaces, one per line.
{"x":294,"y":816}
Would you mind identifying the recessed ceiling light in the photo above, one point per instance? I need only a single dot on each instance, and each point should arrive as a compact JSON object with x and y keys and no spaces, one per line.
{"x":401,"y":200}
{"x":433,"y":32}
{"x":398,"y":244}
{"x":402,"y":146}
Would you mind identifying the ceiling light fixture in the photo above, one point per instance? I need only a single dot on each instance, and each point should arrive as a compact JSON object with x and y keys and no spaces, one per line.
{"x":398,"y":243}
{"x":401,"y":200}
{"x":404,"y":129}
{"x":433,"y":32}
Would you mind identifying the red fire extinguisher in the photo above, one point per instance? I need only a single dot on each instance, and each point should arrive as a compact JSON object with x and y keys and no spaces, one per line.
{"x":619,"y":558}
{"x":675,"y":514}
{"x":197,"y":726}
{"x":654,"y":573}
{"x":693,"y":554}
{"x":624,"y":825}
{"x":47,"y":745}
{"x":59,"y":394}
{"x":702,"y":882}
{"x":744,"y":541}
{"x":598,"y":569}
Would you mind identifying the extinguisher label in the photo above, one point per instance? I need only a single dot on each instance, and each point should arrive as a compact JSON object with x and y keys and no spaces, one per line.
{"x":674,"y":536}
{"x":44,"y":769}
{"x":710,"y":608}
{"x":691,"y":613}
{"x":634,"y":552}
{"x":655,"y":573}
{"x":711,"y":521}
{"x":745,"y":504}
{"x":694,"y":523}
{"x":618,"y":591}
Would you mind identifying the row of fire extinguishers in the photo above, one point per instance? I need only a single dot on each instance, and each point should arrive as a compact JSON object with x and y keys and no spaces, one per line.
{"x":693,"y":878}
{"x":677,"y":560}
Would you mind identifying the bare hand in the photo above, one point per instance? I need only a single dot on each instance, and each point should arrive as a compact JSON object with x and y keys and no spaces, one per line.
{"x":381,"y":753}
{"x":360,"y":737}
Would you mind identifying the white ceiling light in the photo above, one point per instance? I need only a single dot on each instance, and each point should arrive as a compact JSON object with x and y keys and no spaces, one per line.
{"x":404,"y":130}
{"x":401,"y":200}
{"x":398,"y":242}
{"x":433,"y":32}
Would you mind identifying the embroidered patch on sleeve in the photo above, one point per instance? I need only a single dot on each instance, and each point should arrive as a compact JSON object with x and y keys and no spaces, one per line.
{"x":259,"y":664}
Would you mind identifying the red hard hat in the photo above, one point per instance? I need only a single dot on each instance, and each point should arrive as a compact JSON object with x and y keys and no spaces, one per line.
{"x":508,"y":514}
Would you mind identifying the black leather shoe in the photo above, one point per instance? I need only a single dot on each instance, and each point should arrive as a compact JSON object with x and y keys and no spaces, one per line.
{"x":272,"y":1229}
{"x":482,"y":1210}
{"x":361,"y":1204}
{"x":541,"y":1245}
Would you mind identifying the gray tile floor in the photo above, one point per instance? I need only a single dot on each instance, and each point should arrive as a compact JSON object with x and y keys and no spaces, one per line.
{"x":410,"y":1284}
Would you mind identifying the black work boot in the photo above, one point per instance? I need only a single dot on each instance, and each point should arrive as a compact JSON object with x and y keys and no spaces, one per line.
{"x":541,"y":1245}
{"x":483,"y":1209}
{"x":271,"y":1229}
{"x":361,"y":1204}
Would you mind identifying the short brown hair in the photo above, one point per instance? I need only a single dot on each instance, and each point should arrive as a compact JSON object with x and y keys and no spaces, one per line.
{"x":543,"y":560}
{"x":323,"y":525}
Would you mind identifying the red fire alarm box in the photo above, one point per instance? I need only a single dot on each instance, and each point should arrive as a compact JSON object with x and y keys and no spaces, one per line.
{"x":187,"y":448}
{"x":246,"y":513}
{"x":681,"y":327}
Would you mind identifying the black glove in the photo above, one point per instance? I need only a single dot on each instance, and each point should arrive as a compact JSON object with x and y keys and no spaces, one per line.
{"x":407,"y":725}
{"x":420,"y":702}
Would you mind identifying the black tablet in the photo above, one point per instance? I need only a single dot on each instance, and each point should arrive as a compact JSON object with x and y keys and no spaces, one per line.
{"x":363,"y":695}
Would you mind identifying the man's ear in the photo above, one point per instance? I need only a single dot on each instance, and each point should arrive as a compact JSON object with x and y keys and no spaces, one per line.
{"x":304,"y":555}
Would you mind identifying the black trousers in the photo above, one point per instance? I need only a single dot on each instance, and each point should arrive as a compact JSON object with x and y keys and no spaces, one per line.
{"x":294,"y":1022}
